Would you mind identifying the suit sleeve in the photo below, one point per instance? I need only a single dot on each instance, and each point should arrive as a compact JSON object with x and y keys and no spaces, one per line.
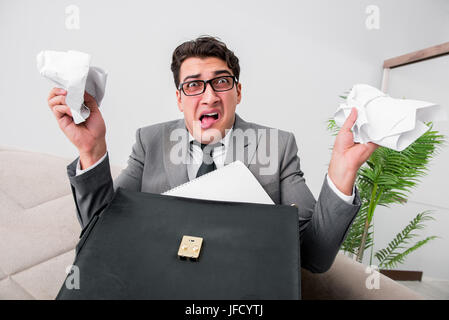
{"x":323,"y":224}
{"x":94,"y":189}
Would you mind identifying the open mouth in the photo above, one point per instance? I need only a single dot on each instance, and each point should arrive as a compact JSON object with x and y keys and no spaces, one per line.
{"x":208,"y":119}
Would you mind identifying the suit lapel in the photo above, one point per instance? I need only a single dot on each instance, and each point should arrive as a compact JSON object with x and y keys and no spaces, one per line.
{"x":176,"y":140}
{"x":243,"y":142}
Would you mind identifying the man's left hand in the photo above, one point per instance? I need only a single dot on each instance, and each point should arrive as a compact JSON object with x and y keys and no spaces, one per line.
{"x":347,"y":156}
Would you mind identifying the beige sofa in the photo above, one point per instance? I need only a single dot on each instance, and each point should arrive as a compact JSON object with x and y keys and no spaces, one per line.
{"x":39,"y":231}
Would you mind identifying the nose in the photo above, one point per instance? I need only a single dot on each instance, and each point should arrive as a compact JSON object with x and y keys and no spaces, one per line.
{"x":209,"y":95}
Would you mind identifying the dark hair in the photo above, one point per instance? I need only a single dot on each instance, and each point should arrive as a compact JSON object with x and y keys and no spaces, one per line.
{"x":203,"y":47}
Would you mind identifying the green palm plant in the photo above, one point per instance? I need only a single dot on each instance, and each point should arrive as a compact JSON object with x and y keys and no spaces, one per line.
{"x":388,"y":178}
{"x":390,"y":256}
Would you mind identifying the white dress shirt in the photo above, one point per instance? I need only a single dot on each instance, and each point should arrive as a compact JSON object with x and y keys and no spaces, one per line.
{"x":195,"y":158}
{"x":195,"y":155}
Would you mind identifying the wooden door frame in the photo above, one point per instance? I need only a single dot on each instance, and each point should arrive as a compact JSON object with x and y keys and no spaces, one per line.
{"x":413,"y":57}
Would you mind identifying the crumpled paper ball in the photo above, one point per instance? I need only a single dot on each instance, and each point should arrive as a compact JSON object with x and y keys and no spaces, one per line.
{"x":386,"y":121}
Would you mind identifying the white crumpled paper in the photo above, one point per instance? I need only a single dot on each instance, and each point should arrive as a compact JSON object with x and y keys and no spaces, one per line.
{"x":386,"y":121}
{"x":72,"y":72}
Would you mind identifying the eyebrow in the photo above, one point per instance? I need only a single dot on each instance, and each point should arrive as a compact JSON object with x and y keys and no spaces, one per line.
{"x":216,"y":73}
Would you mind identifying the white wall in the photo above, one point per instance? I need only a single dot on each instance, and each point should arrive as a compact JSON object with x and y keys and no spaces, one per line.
{"x":429,"y":81}
{"x":311,"y":51}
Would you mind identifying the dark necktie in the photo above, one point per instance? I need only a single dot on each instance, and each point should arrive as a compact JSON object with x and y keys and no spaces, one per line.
{"x":208,"y":164}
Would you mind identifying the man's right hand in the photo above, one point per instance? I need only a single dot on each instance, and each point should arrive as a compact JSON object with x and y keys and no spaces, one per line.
{"x":88,"y":136}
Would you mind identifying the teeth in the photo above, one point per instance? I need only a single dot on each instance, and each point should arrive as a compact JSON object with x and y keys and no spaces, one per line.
{"x":212,"y":114}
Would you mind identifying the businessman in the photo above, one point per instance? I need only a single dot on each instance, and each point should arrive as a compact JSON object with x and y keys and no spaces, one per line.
{"x":211,"y":135}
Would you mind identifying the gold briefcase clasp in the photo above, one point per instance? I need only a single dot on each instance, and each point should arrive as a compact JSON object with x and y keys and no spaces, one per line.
{"x":190,"y":248}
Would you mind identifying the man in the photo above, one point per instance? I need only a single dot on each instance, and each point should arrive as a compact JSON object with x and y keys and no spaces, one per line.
{"x":206,"y":76}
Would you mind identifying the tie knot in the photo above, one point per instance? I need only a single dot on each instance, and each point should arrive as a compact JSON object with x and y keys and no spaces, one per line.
{"x":207,"y":148}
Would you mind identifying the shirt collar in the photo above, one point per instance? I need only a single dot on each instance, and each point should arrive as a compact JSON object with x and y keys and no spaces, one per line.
{"x":224,"y":141}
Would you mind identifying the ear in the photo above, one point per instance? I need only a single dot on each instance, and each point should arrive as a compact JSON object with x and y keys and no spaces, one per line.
{"x":239,"y":92}
{"x":178,"y":100}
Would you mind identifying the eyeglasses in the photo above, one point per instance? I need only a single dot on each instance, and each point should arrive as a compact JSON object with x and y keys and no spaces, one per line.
{"x":197,"y":87}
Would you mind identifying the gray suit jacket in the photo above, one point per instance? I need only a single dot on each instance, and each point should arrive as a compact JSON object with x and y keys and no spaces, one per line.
{"x":323,"y":223}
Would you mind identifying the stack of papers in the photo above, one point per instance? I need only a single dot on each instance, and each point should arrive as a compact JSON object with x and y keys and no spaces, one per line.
{"x":233,"y":182}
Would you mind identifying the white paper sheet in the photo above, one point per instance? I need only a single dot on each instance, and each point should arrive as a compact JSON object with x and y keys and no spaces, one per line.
{"x":71,"y":71}
{"x":233,"y":182}
{"x":386,"y":121}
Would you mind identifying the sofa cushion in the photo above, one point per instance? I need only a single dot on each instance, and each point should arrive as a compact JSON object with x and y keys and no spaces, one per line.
{"x":44,"y":280}
{"x":38,"y":225}
{"x":31,"y":178}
